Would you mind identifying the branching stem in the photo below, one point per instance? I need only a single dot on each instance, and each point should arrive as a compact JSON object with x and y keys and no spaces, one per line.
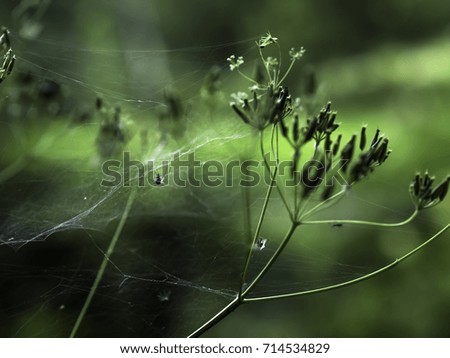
{"x":356,"y":280}
{"x":272,"y":260}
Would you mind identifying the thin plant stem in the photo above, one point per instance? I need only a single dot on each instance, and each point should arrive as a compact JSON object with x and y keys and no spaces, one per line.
{"x":265,"y":64}
{"x":105,"y":261}
{"x":260,"y":222}
{"x":276,"y":152}
{"x":279,"y":63}
{"x":267,"y":166}
{"x":246,"y":77}
{"x":271,"y":261}
{"x":240,"y":299}
{"x":301,"y":207}
{"x":354,"y":281}
{"x":217,"y":318}
{"x":287,"y":72}
{"x":362,"y":222}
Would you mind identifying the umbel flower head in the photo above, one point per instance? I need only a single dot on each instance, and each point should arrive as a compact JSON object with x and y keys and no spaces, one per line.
{"x":369,"y":159}
{"x":265,"y":109}
{"x":424,"y":194}
{"x":266,"y":40}
{"x":235,"y":62}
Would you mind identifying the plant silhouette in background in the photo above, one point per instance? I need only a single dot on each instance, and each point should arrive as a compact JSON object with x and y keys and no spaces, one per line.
{"x":8,"y":55}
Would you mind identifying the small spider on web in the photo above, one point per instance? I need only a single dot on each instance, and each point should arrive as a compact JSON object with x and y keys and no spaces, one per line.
{"x":260,"y":244}
{"x":159,"y":180}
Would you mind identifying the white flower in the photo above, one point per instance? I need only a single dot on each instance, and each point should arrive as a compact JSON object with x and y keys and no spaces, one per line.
{"x":235,"y":63}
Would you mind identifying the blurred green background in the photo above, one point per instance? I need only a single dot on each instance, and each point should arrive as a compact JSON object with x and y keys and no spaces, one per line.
{"x":384,"y":63}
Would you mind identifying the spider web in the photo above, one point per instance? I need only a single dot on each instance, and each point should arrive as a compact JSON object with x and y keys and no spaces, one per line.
{"x":179,"y":257}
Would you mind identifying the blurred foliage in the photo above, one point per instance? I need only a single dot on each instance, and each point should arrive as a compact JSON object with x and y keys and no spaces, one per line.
{"x":384,"y":63}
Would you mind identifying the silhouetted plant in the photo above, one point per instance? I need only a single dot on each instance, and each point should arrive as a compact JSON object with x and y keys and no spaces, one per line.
{"x":329,"y":173}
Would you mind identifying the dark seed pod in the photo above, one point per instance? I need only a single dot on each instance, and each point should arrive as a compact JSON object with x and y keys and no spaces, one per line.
{"x":347,"y":153}
{"x":417,"y":185}
{"x":362,"y":142}
{"x":428,"y":181}
{"x":255,"y":101}
{"x":327,"y":142}
{"x":246,"y":104}
{"x":337,"y":144}
{"x":311,"y":179}
{"x":441,"y":190}
{"x":379,"y":153}
{"x":331,"y":121}
{"x":284,"y":128}
{"x":384,"y":151}
{"x":312,"y":125}
{"x":375,"y":138}
{"x":283,"y":96}
{"x":295,"y":129}
{"x":359,"y":170}
{"x":240,"y":113}
{"x":98,"y":103}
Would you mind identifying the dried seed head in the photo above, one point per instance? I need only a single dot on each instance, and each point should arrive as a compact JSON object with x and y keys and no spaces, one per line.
{"x":362,"y":141}
{"x":380,"y":150}
{"x":440,"y":192}
{"x":375,"y":138}
{"x":347,"y":153}
{"x":337,"y":144}
{"x":311,"y":128}
{"x":424,"y":195}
